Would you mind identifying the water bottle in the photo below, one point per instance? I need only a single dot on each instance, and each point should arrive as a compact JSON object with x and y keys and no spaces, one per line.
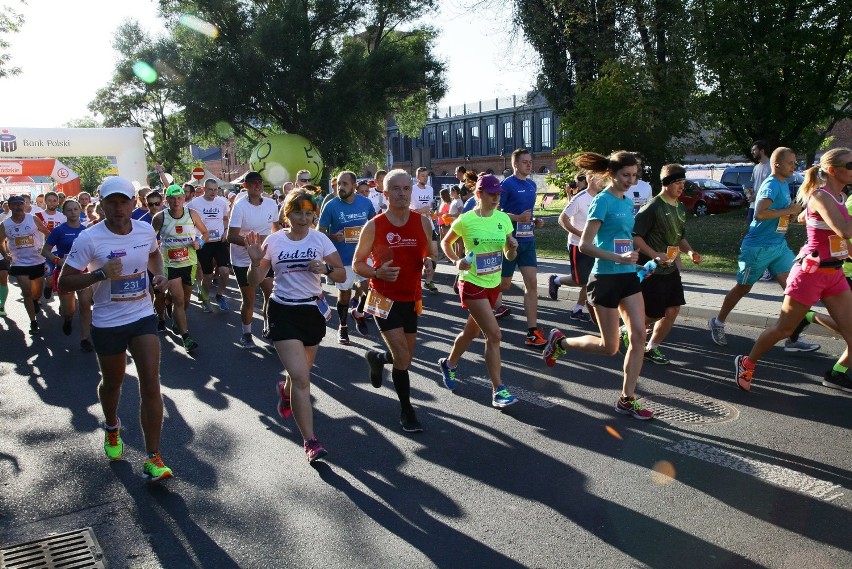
{"x":469,"y":257}
{"x":647,"y":269}
{"x":810,"y":263}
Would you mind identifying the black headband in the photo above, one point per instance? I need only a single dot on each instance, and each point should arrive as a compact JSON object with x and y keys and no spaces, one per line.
{"x":676,"y":177}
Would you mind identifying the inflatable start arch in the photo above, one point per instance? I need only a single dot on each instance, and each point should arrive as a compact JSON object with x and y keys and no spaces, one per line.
{"x":67,"y":181}
{"x":126,"y":144}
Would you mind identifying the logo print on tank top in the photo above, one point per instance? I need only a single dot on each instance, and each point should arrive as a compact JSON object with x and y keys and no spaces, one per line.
{"x":393,"y":238}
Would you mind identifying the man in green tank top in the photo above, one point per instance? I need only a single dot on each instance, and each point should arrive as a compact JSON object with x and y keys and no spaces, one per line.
{"x":181,"y":232}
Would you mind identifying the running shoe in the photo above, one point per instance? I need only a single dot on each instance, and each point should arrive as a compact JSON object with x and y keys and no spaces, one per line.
{"x":154,"y":470}
{"x":264,"y":333}
{"x":343,"y":335}
{"x":449,"y":374}
{"x":86,"y":345}
{"x":656,"y":356}
{"x":430,"y":286}
{"x":553,"y":287}
{"x":223,"y":303}
{"x":66,"y":327}
{"x":584,"y":317}
{"x":837,"y":380}
{"x":535,"y":339}
{"x":314,"y":450}
{"x":408,"y":421}
{"x":113,"y":445}
{"x":34,"y":329}
{"x":284,"y":409}
{"x":376,"y":368}
{"x":206,"y":308}
{"x":2,"y":310}
{"x":247,"y":341}
{"x":629,"y":406}
{"x":742,"y":374}
{"x":576,"y":314}
{"x":717,"y":331}
{"x":360,"y":319}
{"x":161,"y":326}
{"x":766,"y":276}
{"x":502,"y":311}
{"x":554,"y":348}
{"x":175,"y":329}
{"x":624,"y":341}
{"x":800,"y":346}
{"x":189,"y":344}
{"x":502,"y":398}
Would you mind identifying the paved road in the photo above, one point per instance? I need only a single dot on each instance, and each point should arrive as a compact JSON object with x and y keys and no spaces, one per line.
{"x":559,"y":480}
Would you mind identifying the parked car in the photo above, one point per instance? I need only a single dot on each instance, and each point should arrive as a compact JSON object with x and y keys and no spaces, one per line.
{"x":705,"y":196}
{"x":738,"y":178}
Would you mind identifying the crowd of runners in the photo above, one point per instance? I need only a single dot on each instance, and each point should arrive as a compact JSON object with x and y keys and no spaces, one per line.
{"x":130,"y":264}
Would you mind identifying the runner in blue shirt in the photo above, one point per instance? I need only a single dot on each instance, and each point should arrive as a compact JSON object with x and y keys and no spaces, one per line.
{"x":341,"y":219}
{"x":517,"y":201}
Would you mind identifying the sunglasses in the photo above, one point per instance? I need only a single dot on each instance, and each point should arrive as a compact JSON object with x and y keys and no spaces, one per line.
{"x":152,"y":204}
{"x":304,"y":180}
{"x":848,"y":165}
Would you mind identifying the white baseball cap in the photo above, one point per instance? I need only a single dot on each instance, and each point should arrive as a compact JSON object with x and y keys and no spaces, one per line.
{"x":117,"y":185}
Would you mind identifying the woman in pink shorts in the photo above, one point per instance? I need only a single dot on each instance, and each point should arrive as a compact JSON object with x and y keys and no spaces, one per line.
{"x":829,"y":228}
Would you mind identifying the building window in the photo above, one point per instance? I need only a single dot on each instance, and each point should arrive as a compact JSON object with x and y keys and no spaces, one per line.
{"x":492,"y":139}
{"x":395,"y":148}
{"x":445,"y":143}
{"x":406,"y":143}
{"x":545,"y":133}
{"x":527,"y":133}
{"x":431,"y":138}
{"x":474,"y":141}
{"x":460,"y":142}
{"x":508,"y":137}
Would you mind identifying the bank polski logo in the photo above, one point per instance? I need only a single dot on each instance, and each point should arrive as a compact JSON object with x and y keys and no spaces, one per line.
{"x":8,"y":142}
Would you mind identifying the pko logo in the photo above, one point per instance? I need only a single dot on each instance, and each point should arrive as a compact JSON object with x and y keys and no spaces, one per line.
{"x":8,"y":142}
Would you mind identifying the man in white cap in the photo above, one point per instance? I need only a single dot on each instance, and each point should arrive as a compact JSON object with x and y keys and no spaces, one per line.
{"x":117,"y":255}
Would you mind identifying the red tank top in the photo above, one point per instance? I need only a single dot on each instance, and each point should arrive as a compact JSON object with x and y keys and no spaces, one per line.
{"x":407,"y":246}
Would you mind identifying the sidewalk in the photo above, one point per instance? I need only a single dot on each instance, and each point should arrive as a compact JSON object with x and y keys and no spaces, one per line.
{"x":704,"y":294}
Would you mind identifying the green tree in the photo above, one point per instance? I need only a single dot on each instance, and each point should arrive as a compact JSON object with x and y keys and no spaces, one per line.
{"x":777,"y":70}
{"x":330,"y":70}
{"x":10,"y":23}
{"x":131,"y":100}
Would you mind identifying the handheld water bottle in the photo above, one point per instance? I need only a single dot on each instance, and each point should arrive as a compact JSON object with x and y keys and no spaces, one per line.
{"x":647,"y":269}
{"x":810,"y":263}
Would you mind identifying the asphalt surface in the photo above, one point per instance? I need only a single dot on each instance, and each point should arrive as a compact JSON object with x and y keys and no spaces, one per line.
{"x":558,"y":480}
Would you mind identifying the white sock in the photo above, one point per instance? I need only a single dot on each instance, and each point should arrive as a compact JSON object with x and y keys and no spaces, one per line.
{"x":577,"y":308}
{"x":651,"y":346}
{"x":246,"y":328}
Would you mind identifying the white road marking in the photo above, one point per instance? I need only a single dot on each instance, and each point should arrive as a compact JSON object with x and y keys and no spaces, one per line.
{"x":519,"y":392}
{"x":777,"y":475}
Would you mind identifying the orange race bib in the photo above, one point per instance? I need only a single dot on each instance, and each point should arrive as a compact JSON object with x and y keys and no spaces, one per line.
{"x":378,"y":305}
{"x":783,"y":224}
{"x":351,"y":234}
{"x":838,"y":246}
{"x":24,"y":242}
{"x":672,"y":251}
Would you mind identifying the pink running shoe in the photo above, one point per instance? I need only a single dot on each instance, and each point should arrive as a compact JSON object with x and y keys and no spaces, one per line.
{"x":284,"y":409}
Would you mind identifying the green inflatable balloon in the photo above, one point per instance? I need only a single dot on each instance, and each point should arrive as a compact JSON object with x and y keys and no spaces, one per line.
{"x":278,"y":158}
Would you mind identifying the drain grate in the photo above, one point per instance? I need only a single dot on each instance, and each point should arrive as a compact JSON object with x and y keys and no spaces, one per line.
{"x":76,"y":549}
{"x":689,"y":408}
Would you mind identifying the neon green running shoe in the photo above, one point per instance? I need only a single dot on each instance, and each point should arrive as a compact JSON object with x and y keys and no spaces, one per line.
{"x":154,"y":469}
{"x":113,"y":445}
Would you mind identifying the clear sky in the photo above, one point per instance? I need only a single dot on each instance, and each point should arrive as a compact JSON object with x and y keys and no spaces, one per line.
{"x":64,"y":51}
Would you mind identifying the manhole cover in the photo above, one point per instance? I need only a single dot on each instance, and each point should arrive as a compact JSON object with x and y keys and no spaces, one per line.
{"x":77,"y":549}
{"x":689,"y":408}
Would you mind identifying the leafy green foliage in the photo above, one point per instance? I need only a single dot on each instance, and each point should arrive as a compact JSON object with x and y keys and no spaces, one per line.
{"x":777,"y":70}
{"x":332,"y":71}
{"x":10,"y":23}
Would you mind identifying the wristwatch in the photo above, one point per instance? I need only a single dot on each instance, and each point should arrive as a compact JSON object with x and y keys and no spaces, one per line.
{"x":328,"y":269}
{"x":100,"y":275}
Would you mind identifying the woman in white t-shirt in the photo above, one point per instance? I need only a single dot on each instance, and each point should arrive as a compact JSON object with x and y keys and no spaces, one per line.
{"x":297,"y":311}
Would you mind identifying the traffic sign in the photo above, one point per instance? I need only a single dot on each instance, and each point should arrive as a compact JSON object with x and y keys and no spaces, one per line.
{"x":198,"y":173}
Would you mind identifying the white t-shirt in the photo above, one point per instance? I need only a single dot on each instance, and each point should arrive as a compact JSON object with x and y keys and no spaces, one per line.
{"x":640,"y":193}
{"x":456,"y":207}
{"x":51,"y":220}
{"x":123,"y":300}
{"x":761,"y":171}
{"x":290,"y":261}
{"x":25,"y":241}
{"x":378,"y":200}
{"x":213,"y":214}
{"x":247,"y":217}
{"x":578,"y":212}
{"x":421,"y":197}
